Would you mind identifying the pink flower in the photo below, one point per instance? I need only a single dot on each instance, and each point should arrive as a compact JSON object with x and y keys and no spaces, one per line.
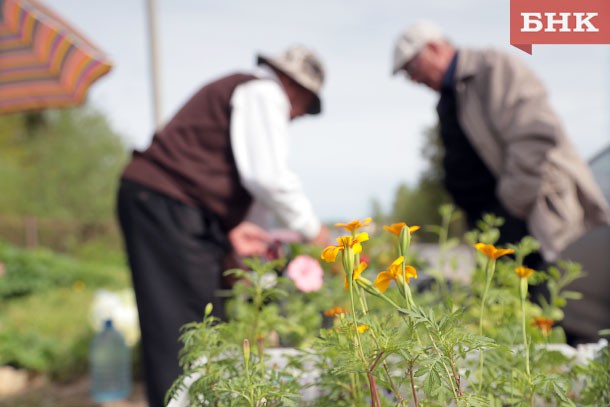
{"x":306,"y":273}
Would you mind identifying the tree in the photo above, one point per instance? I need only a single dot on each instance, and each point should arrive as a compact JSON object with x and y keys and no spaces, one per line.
{"x":60,"y":164}
{"x":420,"y":204}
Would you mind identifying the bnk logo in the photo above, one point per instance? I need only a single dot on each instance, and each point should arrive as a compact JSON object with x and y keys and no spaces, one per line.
{"x":567,"y":22}
{"x":559,"y":22}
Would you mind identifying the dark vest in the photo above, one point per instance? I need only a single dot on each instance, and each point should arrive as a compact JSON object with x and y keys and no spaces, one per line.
{"x":467,"y":179}
{"x":191,"y":159}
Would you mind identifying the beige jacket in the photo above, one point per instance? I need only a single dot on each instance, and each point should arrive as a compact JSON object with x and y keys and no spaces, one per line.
{"x":506,"y":115}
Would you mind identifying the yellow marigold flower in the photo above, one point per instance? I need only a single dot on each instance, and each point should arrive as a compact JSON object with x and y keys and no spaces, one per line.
{"x":357,"y":271}
{"x":329,"y":254}
{"x":394,"y":272}
{"x":544,"y":324}
{"x":353,"y":225}
{"x":490,"y":250}
{"x":395,"y":228}
{"x":524,"y":272}
{"x":334,"y":311}
{"x":362,"y":328}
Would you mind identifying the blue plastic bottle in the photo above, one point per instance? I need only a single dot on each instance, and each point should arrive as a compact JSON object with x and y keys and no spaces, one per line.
{"x":110,"y":365}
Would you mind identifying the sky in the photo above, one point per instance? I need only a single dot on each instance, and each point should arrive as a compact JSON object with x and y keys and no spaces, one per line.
{"x":369,"y":138}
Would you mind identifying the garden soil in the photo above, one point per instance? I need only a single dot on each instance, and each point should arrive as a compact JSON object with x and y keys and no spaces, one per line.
{"x":41,"y":393}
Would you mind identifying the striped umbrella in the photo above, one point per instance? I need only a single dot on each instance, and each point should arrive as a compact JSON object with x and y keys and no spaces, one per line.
{"x":44,"y":62}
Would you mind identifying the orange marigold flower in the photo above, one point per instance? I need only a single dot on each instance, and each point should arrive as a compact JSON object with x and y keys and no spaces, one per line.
{"x":490,"y":250}
{"x":353,"y":225}
{"x":524,"y":272}
{"x":395,"y":228}
{"x":334,"y":311}
{"x":544,"y":324}
{"x":329,"y":254}
{"x":357,"y":271}
{"x":394,"y":272}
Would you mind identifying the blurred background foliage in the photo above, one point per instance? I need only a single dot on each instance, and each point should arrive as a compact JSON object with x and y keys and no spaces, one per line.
{"x":58,"y":175}
{"x":418,"y":204}
{"x":59,"y":240}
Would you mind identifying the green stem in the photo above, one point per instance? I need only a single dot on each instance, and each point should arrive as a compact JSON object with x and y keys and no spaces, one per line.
{"x":489,"y":272}
{"x":249,"y":379}
{"x":523,"y":291}
{"x":355,"y":320}
{"x":438,"y":351}
{"x":375,"y":402}
{"x":392,"y":384}
{"x":443,"y":237}
{"x":405,"y":286}
{"x":361,"y":299}
{"x":354,"y":388}
{"x":258,"y":303}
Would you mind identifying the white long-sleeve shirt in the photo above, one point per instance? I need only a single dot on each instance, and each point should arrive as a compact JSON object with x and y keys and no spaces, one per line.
{"x":259,"y":139}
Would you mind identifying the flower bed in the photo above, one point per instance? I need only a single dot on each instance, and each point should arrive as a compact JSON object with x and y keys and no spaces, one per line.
{"x":383,"y":342}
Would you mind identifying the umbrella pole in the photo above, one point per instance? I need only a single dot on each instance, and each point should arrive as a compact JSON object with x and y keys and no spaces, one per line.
{"x":154,"y":60}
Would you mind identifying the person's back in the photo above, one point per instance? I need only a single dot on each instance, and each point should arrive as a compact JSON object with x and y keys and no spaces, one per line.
{"x":191,"y":159}
{"x":542,"y":186}
{"x":182,"y":203}
{"x":493,"y":102}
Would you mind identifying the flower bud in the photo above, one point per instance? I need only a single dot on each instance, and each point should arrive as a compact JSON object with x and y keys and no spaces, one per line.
{"x":404,"y":240}
{"x":208,"y":309}
{"x":246,"y":347}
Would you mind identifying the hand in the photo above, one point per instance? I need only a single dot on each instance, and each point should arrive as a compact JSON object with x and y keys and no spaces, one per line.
{"x":249,"y":239}
{"x":323,"y":237}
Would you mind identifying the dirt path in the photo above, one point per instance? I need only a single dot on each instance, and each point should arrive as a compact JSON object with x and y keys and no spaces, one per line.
{"x":75,"y":394}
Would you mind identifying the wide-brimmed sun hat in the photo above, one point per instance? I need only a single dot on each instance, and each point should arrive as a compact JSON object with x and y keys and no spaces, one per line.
{"x":302,"y":66}
{"x":412,"y":40}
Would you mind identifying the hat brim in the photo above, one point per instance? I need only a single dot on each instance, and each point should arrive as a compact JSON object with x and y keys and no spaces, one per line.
{"x":399,"y":65}
{"x":316,"y":105}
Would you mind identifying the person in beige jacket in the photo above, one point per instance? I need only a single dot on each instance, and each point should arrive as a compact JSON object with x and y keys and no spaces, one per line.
{"x":505,"y":149}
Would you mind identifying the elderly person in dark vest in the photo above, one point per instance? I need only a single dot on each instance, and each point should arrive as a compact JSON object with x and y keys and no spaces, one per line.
{"x":182,"y":202}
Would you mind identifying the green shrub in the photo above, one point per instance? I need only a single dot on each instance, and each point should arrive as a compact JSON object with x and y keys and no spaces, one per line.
{"x":32,"y":271}
{"x":44,"y":309}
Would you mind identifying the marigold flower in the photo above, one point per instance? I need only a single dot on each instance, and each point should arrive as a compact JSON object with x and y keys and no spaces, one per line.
{"x":329,"y":254}
{"x":524,"y":272}
{"x":394,"y":272}
{"x":334,"y":311}
{"x":357,"y":271}
{"x":544,"y":324}
{"x":490,"y":250}
{"x":395,"y":228}
{"x":362,"y":328}
{"x":353,"y":225}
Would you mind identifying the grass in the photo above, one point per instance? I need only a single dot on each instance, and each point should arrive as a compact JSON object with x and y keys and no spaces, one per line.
{"x":44,"y":309}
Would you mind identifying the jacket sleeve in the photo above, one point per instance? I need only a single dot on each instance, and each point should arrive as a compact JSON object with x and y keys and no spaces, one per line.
{"x":259,"y":139}
{"x":521,"y":116}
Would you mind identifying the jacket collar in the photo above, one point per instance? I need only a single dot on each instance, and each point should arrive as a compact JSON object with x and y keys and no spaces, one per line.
{"x":467,"y":64}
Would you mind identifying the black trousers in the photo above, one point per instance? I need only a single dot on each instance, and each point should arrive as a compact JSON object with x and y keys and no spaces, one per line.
{"x":175,"y":254}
